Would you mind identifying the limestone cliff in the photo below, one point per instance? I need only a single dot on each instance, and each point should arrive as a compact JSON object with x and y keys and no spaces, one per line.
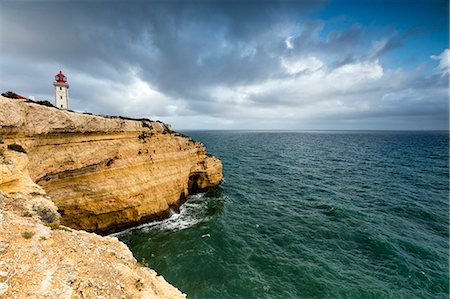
{"x":103,"y":173}
{"x":39,"y":258}
{"x":94,"y":173}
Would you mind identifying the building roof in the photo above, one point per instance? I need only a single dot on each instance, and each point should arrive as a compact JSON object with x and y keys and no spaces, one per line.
{"x":61,"y":78}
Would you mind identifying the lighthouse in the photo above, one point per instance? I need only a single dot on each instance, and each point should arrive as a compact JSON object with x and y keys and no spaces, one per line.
{"x":61,"y":91}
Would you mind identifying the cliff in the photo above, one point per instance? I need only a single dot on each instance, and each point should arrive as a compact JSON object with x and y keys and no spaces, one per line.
{"x":103,"y":173}
{"x":60,"y":169}
{"x":40,"y":258}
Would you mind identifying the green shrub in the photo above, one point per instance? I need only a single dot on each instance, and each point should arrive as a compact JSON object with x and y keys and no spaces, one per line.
{"x":56,"y":225}
{"x":46,"y":214}
{"x":27,"y":235}
{"x":145,"y":124}
{"x":27,"y":214}
{"x":45,"y":103}
{"x":143,"y":136}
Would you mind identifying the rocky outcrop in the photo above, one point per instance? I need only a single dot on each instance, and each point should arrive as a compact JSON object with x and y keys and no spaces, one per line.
{"x":59,"y":169}
{"x":40,"y":259}
{"x":103,"y":173}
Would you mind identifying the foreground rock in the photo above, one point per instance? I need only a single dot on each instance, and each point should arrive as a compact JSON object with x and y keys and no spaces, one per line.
{"x":41,"y":259}
{"x":103,"y":173}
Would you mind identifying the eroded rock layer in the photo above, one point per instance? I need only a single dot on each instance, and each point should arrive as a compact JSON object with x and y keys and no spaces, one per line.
{"x":40,"y":258}
{"x":106,"y":173}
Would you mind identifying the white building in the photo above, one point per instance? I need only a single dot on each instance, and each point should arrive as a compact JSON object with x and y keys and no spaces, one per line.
{"x":61,"y":91}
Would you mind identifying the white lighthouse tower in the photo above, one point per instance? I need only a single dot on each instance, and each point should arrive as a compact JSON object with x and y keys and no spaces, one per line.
{"x":61,"y":91}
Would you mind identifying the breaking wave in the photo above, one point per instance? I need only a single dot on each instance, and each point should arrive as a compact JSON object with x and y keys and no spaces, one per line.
{"x":198,"y":208}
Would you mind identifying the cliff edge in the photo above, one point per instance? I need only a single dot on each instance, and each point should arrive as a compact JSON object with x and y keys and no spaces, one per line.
{"x":104,"y":173}
{"x":60,"y":169}
{"x":40,"y":258}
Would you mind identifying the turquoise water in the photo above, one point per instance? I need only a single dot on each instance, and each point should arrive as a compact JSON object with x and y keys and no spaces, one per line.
{"x":311,"y":215}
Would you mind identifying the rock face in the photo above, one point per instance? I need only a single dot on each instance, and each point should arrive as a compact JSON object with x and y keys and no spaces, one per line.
{"x":103,"y":173}
{"x":94,"y":173}
{"x":42,"y":260}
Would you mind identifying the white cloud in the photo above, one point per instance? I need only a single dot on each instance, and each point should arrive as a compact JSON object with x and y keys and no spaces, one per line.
{"x":307,"y":87}
{"x":444,"y":62}
{"x":140,"y":98}
{"x":288,"y":43}
{"x":132,"y":97}
{"x":310,"y":63}
{"x":355,"y":75}
{"x":320,"y":93}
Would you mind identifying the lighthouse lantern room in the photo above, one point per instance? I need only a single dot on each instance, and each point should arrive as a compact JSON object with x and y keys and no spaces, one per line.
{"x":61,"y":91}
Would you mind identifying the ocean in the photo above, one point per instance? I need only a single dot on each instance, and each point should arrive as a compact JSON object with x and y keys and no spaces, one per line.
{"x":339,"y":214}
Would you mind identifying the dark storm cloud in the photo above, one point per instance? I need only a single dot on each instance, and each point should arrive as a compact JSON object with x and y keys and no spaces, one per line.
{"x":191,"y":54}
{"x":178,"y":47}
{"x":336,"y":41}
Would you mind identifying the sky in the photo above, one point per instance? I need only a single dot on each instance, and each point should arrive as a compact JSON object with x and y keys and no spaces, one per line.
{"x":251,"y":65}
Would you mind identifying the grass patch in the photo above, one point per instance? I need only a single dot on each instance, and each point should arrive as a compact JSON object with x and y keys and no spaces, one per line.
{"x":56,"y":225}
{"x":145,"y":124}
{"x":27,"y":235}
{"x":44,"y":103}
{"x":143,"y":136}
{"x":27,"y":214}
{"x":46,"y":214}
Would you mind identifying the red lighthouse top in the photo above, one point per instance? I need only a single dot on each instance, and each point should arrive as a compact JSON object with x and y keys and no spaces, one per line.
{"x":60,"y":78}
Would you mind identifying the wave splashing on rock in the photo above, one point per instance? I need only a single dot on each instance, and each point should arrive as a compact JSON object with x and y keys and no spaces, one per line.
{"x":198,"y":208}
